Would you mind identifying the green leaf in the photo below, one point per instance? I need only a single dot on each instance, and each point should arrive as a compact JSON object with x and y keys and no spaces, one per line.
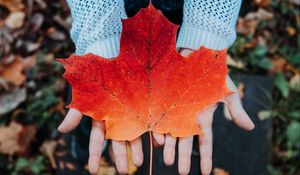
{"x":294,"y":114}
{"x":273,"y":171}
{"x":260,"y":51}
{"x":293,"y":132}
{"x":282,"y":85}
{"x":265,"y":63}
{"x":21,"y":164}
{"x":37,"y":165}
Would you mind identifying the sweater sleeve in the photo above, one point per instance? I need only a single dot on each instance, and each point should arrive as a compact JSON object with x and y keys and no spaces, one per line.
{"x":208,"y":23}
{"x":97,"y":26}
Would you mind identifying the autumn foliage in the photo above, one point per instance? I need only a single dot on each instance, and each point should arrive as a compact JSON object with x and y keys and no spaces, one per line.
{"x":149,"y":86}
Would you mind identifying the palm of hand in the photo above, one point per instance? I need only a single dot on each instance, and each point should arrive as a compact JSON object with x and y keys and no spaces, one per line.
{"x":204,"y":120}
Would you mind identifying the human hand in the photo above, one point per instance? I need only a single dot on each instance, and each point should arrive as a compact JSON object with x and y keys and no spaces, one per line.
{"x":205,"y":120}
{"x":73,"y":119}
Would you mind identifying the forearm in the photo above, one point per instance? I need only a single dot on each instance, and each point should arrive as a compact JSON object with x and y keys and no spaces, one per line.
{"x":97,"y":26}
{"x":208,"y":23}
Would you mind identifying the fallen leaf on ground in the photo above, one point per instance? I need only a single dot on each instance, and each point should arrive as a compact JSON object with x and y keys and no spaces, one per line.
{"x":220,"y":171}
{"x":295,"y":82}
{"x":262,"y":3}
{"x":29,"y":62}
{"x":131,"y":167}
{"x":15,"y":20}
{"x":13,"y":72}
{"x":248,"y":24}
{"x":234,"y":63}
{"x":9,"y":136}
{"x":296,"y":2}
{"x":278,"y":64}
{"x":15,"y":138}
{"x":48,"y":148}
{"x":11,"y":99}
{"x":150,"y":86}
{"x":263,"y":115}
{"x":70,"y":166}
{"x":13,"y":5}
{"x":241,"y":88}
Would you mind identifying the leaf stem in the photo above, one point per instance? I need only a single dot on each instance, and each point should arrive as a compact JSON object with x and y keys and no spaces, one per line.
{"x":151,"y":153}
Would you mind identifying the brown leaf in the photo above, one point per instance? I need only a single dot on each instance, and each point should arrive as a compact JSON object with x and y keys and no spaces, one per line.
{"x":109,"y":170}
{"x":241,"y":88}
{"x":291,"y":31}
{"x":29,"y":62}
{"x":296,"y":2}
{"x":26,"y":137}
{"x":13,"y":72}
{"x":234,"y":63}
{"x":15,"y":138}
{"x":55,"y":34}
{"x":295,"y":82}
{"x":131,"y":167}
{"x":9,"y":136}
{"x":220,"y":171}
{"x":260,"y":14}
{"x":60,"y":107}
{"x":13,"y":5}
{"x":15,"y":20}
{"x":70,"y":166}
{"x":278,"y":64}
{"x":248,"y":24}
{"x":48,"y":149}
{"x":262,"y":3}
{"x":10,"y":100}
{"x":31,"y":46}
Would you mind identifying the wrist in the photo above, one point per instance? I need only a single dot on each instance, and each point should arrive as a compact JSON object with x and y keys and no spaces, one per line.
{"x":193,"y":37}
{"x":107,"y":47}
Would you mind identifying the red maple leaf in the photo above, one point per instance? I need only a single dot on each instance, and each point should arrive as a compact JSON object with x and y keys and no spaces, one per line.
{"x":149,"y":86}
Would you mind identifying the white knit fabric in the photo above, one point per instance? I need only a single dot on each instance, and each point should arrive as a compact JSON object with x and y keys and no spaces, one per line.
{"x":210,"y":23}
{"x":97,"y":26}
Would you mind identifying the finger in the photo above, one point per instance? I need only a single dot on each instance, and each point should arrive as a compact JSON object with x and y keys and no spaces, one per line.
{"x":159,"y":138}
{"x":71,"y":121}
{"x":237,"y":112}
{"x":137,"y":152}
{"x":205,"y":140}
{"x":95,"y":146}
{"x":185,"y":146}
{"x":119,"y":149}
{"x":169,"y":150}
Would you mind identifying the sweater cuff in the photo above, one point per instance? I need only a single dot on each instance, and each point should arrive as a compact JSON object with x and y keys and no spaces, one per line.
{"x":107,"y":47}
{"x":193,"y":38}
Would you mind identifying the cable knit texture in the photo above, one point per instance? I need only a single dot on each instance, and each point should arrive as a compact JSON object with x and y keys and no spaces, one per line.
{"x":210,"y":23}
{"x":97,"y":25}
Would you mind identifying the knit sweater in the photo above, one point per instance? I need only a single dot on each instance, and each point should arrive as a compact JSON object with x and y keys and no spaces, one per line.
{"x":97,"y":25}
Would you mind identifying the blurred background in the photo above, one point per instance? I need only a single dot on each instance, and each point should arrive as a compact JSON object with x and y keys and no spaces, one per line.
{"x":33,"y":94}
